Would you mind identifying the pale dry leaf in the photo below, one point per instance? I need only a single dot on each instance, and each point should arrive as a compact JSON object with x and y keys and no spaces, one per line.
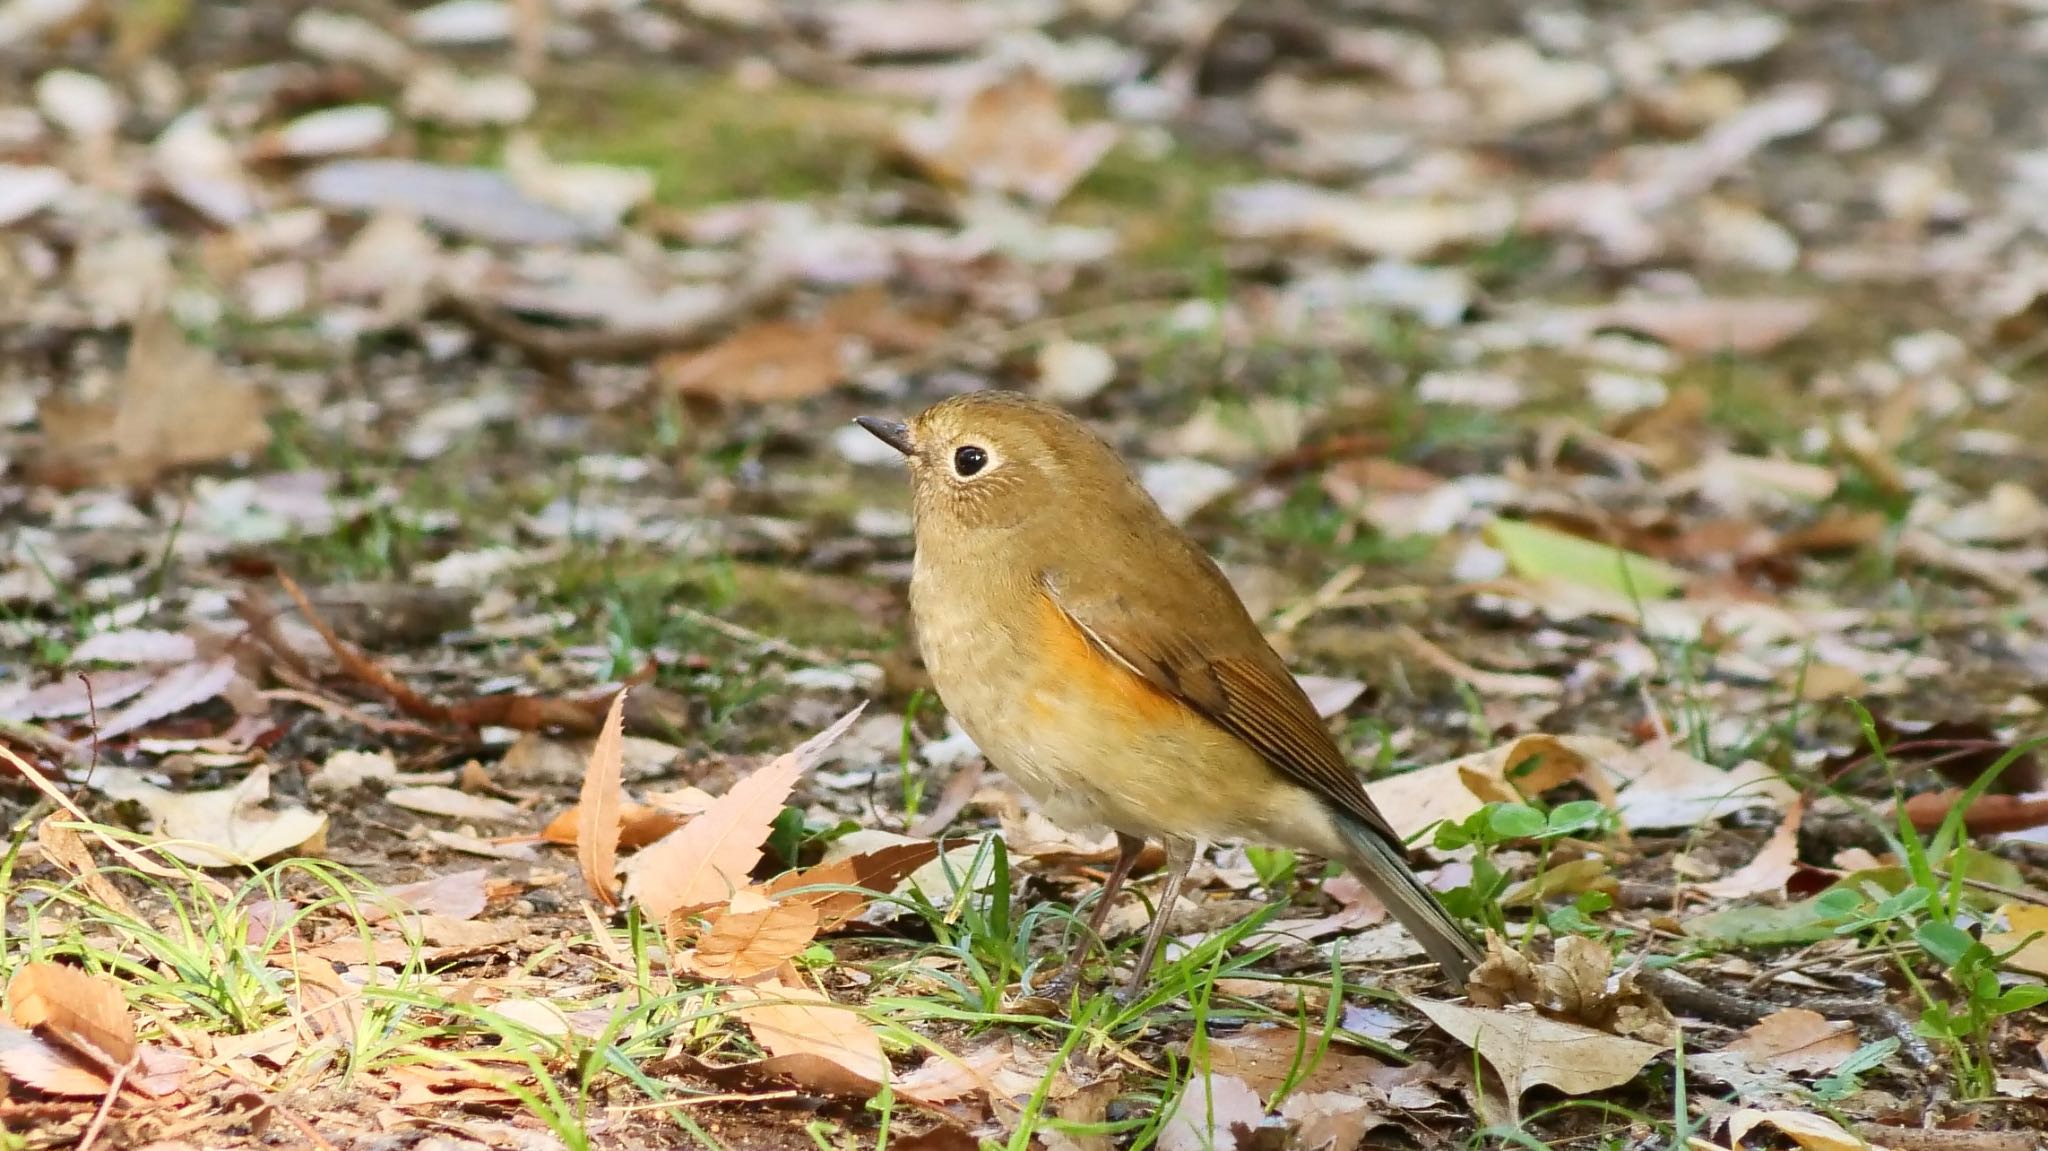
{"x":1663,"y":787}
{"x":174,"y":407}
{"x":2029,"y":926}
{"x":1331,"y":1120}
{"x":1811,"y":1132}
{"x":323,"y":1007}
{"x":1449,"y":791}
{"x":1711,"y":325}
{"x":456,"y":895}
{"x":133,"y":646}
{"x":86,"y":1013}
{"x":597,"y":824}
{"x":1774,"y":865}
{"x":1797,"y":1040}
{"x":184,"y":686}
{"x":796,"y":1020}
{"x":435,"y":799}
{"x":80,"y":693}
{"x":1214,"y":1113}
{"x":1529,"y":1050}
{"x":1494,"y":683}
{"x":945,"y":1077}
{"x":743,"y":941}
{"x":710,"y":857}
{"x":30,"y":1060}
{"x":229,"y":827}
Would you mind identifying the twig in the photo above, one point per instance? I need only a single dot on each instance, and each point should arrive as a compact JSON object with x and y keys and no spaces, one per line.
{"x":106,"y":1107}
{"x":1678,"y":991}
{"x":1317,"y":600}
{"x":2033,"y":897}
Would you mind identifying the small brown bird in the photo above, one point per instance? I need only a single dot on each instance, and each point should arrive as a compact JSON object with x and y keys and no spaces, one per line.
{"x":1101,"y":659}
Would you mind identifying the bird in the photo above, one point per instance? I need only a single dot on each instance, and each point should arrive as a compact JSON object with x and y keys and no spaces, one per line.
{"x":1100,"y":658}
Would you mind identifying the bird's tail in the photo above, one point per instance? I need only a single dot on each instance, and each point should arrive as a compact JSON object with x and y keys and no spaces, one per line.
{"x":1381,"y":866}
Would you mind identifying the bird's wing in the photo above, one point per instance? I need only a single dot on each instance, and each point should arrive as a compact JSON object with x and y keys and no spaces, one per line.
{"x":1246,"y":690}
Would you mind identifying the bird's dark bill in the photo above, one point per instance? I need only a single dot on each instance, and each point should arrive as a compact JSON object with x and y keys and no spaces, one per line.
{"x":891,"y":432}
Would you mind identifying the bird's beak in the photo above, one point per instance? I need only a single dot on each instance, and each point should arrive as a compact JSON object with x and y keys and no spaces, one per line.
{"x":891,"y":432}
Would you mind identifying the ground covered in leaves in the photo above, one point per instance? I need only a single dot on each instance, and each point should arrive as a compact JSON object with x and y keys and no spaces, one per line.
{"x":456,"y":689}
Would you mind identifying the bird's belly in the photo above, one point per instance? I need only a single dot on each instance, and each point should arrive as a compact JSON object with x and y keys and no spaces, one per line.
{"x":1092,"y":742}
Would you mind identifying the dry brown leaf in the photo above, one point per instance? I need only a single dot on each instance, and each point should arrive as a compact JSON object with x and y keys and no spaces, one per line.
{"x":1529,"y":1050}
{"x":597,"y":826}
{"x":1663,"y":787}
{"x":1010,"y":136}
{"x":795,"y":1020}
{"x":323,"y":1007}
{"x":1773,"y":866}
{"x":751,"y":936}
{"x":30,"y":1060}
{"x":1797,"y":1040}
{"x":1269,"y":1055}
{"x":877,"y":872}
{"x":86,"y":1013}
{"x":64,"y":847}
{"x":1573,"y":984}
{"x":639,"y":825}
{"x":774,"y":361}
{"x":173,"y":407}
{"x":712,"y":855}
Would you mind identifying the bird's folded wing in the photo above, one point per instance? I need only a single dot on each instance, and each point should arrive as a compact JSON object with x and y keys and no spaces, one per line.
{"x":1248,"y":693}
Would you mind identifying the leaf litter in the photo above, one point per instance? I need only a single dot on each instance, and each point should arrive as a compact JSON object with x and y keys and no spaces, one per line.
{"x":1469,"y":345}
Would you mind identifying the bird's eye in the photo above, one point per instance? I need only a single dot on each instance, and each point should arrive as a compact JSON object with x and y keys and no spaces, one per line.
{"x":969,"y":460}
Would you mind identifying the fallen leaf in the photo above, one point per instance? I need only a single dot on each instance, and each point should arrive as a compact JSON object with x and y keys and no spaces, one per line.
{"x":63,"y":846}
{"x":2025,"y":919}
{"x":86,"y":1013}
{"x":1663,"y":787}
{"x":456,"y":895}
{"x":1008,"y":136}
{"x":710,"y":857}
{"x":597,"y":826}
{"x":1214,"y":1113}
{"x":774,"y":361}
{"x":1449,"y":791}
{"x":30,"y":1060}
{"x":1267,"y":1056}
{"x":1529,"y":1050}
{"x":173,"y":407}
{"x":1796,"y":1040}
{"x":944,"y":1077}
{"x":1484,"y":682}
{"x":750,"y":936}
{"x":1575,"y":984}
{"x":229,"y":827}
{"x":135,"y":646}
{"x":1401,"y":229}
{"x":639,"y":825}
{"x":795,"y":1020}
{"x":1773,"y":866}
{"x":185,"y":686}
{"x":874,"y":873}
{"x":1541,"y":553}
{"x":1811,"y":1132}
{"x":1715,"y":325}
{"x":435,"y":799}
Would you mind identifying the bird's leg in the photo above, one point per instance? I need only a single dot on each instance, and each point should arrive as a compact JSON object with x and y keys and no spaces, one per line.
{"x":1180,"y":855}
{"x":1128,"y":848}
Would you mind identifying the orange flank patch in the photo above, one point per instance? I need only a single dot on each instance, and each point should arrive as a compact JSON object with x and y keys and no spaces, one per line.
{"x":1073,"y":666}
